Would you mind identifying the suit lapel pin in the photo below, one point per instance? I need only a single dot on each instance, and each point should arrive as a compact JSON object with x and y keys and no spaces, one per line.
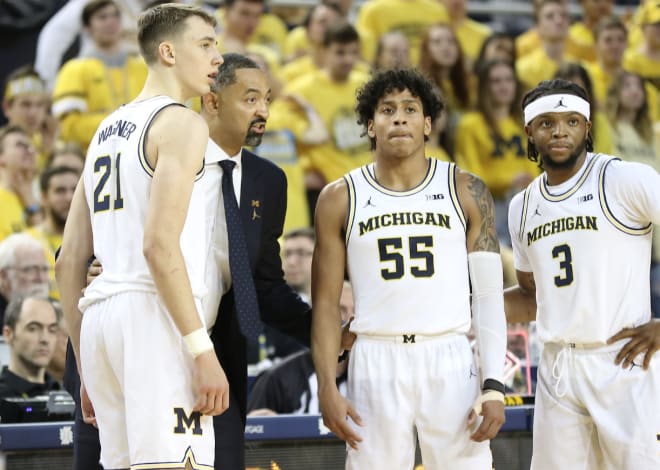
{"x":255,"y":204}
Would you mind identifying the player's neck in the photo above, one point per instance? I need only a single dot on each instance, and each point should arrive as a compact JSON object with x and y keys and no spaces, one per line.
{"x":401,"y":174}
{"x":556,"y":176}
{"x":160,"y":82}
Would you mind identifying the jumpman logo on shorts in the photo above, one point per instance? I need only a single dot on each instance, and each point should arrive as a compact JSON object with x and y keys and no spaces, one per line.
{"x":560,"y":103}
{"x":472,"y":374}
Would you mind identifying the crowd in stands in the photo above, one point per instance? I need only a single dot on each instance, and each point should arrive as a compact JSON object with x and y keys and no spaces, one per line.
{"x":316,"y":58}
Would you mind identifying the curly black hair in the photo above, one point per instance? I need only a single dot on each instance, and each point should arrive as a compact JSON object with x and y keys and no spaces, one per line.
{"x":388,"y":81}
{"x":554,"y":87}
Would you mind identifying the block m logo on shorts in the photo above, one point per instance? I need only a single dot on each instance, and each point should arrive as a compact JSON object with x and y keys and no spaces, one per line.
{"x":408,"y":338}
{"x":184,"y":422}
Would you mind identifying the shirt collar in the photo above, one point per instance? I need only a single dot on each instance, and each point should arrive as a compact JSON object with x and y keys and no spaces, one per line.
{"x":214,"y":154}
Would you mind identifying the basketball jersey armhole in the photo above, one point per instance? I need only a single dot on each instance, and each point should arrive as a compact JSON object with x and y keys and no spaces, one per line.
{"x":607,"y":211}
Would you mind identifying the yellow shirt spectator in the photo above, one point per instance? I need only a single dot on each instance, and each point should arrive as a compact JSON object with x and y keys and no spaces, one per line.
{"x":411,"y":17}
{"x":537,"y":66}
{"x":11,"y":214}
{"x":583,"y":42}
{"x":87,"y":90}
{"x":498,"y":163}
{"x":334,"y":102}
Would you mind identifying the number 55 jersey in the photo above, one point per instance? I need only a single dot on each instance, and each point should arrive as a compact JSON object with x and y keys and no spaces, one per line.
{"x":588,"y":243}
{"x":117,"y":177}
{"x":407,"y":255}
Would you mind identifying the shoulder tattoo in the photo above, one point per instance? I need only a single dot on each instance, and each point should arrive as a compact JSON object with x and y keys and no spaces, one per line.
{"x":487,"y":238}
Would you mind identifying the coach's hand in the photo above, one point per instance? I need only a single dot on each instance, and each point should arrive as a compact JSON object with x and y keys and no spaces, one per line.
{"x":88,"y":414}
{"x":347,"y":337}
{"x":644,"y":339}
{"x":493,"y":414}
{"x":336,"y":411}
{"x":210,"y":385}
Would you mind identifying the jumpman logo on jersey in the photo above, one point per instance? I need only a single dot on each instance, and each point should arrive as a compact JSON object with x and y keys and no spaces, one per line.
{"x":369,"y":203}
{"x":560,"y":103}
{"x":536,"y":212}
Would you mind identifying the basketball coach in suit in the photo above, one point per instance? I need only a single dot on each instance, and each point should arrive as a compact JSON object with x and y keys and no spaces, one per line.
{"x":236,"y":113}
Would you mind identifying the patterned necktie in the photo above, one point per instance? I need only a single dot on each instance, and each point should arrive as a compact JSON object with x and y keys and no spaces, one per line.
{"x":245,"y":295}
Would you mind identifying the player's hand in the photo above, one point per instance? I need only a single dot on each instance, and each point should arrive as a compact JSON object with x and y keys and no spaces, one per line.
{"x":644,"y":339}
{"x":89,"y":416}
{"x":210,"y":385}
{"x":336,"y":411}
{"x":347,"y":338}
{"x":493,"y":419}
{"x":94,"y":270}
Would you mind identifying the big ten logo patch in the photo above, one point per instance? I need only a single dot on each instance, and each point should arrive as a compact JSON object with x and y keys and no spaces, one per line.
{"x":346,"y":132}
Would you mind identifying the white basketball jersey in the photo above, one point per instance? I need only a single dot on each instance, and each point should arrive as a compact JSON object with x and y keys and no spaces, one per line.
{"x":590,"y":264}
{"x":407,"y":255}
{"x":117,"y":179}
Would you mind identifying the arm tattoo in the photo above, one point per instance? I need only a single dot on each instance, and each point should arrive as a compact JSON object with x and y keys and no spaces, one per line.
{"x":487,"y":238}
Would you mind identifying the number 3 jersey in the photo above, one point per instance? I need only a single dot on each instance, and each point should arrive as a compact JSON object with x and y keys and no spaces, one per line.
{"x":407,"y":255}
{"x":588,"y":244}
{"x":117,"y":179}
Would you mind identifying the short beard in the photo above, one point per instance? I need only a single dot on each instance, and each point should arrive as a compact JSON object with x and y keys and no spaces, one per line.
{"x":253,"y":139}
{"x":566,"y":164}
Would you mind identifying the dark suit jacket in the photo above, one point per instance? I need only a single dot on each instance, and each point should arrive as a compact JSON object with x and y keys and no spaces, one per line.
{"x":262,"y":206}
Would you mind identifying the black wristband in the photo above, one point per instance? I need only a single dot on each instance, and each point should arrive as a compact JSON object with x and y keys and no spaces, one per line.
{"x":492,"y":384}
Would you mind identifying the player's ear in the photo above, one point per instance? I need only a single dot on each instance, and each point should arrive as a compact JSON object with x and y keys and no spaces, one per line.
{"x":210,"y":104}
{"x":528,"y":131}
{"x":166,"y":52}
{"x":370,"y":128}
{"x":427,"y":126}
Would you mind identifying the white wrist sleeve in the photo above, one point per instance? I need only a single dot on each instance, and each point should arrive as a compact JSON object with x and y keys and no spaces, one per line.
{"x":488,"y":312}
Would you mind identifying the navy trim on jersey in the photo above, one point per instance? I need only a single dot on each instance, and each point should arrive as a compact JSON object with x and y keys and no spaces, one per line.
{"x":453,"y":194}
{"x":367,"y":171}
{"x":350,"y":216}
{"x":602,"y":196}
{"x":142,"y":143}
{"x":565,"y":195}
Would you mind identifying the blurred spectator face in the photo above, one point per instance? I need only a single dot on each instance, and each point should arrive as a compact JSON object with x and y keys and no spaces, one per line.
{"x":242,"y":18}
{"x":456,"y":8}
{"x":596,"y":9}
{"x":553,"y":21}
{"x":297,"y":262}
{"x":27,"y":275}
{"x":442,"y":46}
{"x":340,"y":59}
{"x":346,"y":303}
{"x":70,"y":160}
{"x":502,"y":84}
{"x":105,"y":26}
{"x":610,"y":46}
{"x":394,"y":52}
{"x":321,"y":18}
{"x":17,"y":153}
{"x":56,"y":201}
{"x":500,"y":49}
{"x":652,"y":35}
{"x":33,"y":339}
{"x":632,"y":95}
{"x":27,"y":110}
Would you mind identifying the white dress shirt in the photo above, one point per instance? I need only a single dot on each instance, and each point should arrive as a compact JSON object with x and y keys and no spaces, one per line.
{"x":217,"y":266}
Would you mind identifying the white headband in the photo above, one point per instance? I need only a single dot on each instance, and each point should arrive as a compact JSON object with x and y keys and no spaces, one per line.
{"x":565,"y":103}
